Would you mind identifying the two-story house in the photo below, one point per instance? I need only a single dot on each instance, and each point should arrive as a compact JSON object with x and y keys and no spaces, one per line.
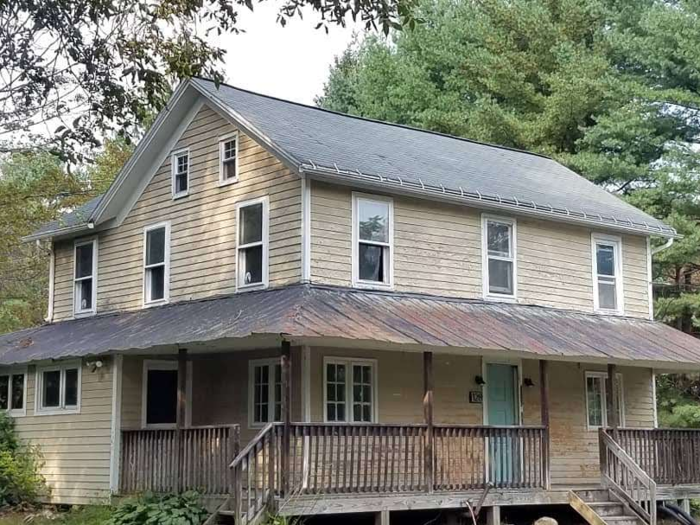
{"x":285,"y":307}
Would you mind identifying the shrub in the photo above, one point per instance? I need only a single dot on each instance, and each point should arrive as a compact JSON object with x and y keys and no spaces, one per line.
{"x":20,"y":481}
{"x":182,"y":509}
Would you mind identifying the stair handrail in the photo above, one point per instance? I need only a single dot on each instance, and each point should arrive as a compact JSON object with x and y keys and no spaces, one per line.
{"x":258,"y":461}
{"x":623,"y":476}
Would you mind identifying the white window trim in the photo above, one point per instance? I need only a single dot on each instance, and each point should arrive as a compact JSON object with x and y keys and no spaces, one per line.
{"x":164,"y":364}
{"x":512,"y":223}
{"x":616,"y":242}
{"x":39,"y":387}
{"x":173,"y":170}
{"x":271,"y":391}
{"x":15,"y":372}
{"x":356,"y":281}
{"x":349,"y":362}
{"x":240,"y":278}
{"x":604,"y":394}
{"x":222,"y":141}
{"x":92,"y":311}
{"x":166,"y":277}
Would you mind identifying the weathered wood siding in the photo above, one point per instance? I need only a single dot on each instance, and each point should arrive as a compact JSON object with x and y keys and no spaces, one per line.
{"x":75,"y":447}
{"x":438,"y":251}
{"x":219,"y":389}
{"x":203,"y":226}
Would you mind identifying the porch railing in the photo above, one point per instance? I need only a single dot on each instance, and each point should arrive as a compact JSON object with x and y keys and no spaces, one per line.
{"x":669,"y":456}
{"x":627,"y":479}
{"x":172,"y":460}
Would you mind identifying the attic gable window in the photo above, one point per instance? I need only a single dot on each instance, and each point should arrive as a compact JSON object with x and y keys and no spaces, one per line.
{"x":228,"y":159}
{"x":373,"y":232}
{"x":156,"y":259}
{"x":84,"y":277}
{"x":499,"y":265}
{"x":252,"y":244}
{"x":607,"y":273}
{"x":180,"y":165}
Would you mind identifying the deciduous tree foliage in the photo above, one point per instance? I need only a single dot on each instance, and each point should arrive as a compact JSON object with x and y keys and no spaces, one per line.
{"x":72,"y":71}
{"x":608,"y":87}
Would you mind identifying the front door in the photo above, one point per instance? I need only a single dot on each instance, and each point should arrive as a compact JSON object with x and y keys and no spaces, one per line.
{"x":503,"y":409}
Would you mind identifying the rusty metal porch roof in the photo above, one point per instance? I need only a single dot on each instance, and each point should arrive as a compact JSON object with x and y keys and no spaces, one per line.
{"x":320,"y":314}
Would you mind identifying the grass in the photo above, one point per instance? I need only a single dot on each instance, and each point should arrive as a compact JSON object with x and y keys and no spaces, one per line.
{"x":75,"y":516}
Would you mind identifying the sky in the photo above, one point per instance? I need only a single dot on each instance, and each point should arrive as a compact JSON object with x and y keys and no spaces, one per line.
{"x":290,"y":62}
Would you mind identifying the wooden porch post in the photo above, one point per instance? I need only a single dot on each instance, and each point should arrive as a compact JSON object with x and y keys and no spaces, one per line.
{"x":428,"y":413}
{"x":286,"y":412}
{"x":544,"y":407}
{"x":613,"y":401}
{"x":181,"y":415}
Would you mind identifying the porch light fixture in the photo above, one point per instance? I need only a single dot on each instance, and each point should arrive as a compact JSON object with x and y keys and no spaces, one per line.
{"x":528,"y":382}
{"x":479,"y":381}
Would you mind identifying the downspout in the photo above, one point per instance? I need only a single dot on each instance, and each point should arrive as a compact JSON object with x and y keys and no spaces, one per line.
{"x":664,"y":246}
{"x":52,"y":271}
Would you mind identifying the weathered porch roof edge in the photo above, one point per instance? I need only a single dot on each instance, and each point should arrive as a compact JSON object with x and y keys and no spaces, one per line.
{"x":305,"y":312}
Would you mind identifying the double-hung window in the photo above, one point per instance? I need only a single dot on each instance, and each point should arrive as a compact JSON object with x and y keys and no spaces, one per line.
{"x":156,"y":264}
{"x":499,"y":257}
{"x":372,"y":232}
{"x":597,"y":400}
{"x":58,"y":389}
{"x":180,"y":165}
{"x":350,"y":390}
{"x":265,"y":379}
{"x":228,"y":159}
{"x":13,"y":387}
{"x":607,"y":273}
{"x":252,"y":244}
{"x":85,"y":277}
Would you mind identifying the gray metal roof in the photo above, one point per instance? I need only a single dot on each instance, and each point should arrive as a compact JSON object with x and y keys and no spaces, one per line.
{"x":77,"y":217}
{"x":308,"y":314}
{"x":323,"y":141}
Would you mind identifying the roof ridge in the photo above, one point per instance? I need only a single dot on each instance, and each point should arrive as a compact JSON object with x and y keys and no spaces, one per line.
{"x":377,"y":121}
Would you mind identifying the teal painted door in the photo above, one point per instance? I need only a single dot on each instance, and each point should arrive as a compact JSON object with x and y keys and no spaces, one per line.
{"x":503,"y":410}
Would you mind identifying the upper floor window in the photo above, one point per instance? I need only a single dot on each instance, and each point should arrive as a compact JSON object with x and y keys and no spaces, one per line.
{"x":13,"y":388}
{"x":84,"y":278}
{"x":58,"y":389}
{"x":607,"y":273}
{"x":372,"y":232}
{"x":180,"y":163}
{"x":350,"y":390}
{"x":228,"y":159}
{"x":252,"y":243}
{"x":265,"y":379}
{"x":156,"y":259}
{"x":499,"y":257}
{"x":597,"y":400}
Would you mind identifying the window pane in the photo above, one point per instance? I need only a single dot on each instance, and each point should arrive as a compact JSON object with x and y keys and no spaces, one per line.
{"x":4,"y":389}
{"x":183,"y":162}
{"x":251,"y":224}
{"x":17,"y":394}
{"x":161,"y":400}
{"x":374,"y":220}
{"x":607,"y":296}
{"x":605,"y":256}
{"x":501,"y":276}
{"x":595,"y":401}
{"x":155,"y":246}
{"x":340,"y":412}
{"x":85,"y":297}
{"x":83,"y":260}
{"x":498,"y":237}
{"x":156,"y":277}
{"x":330,"y":412}
{"x":371,"y":260}
{"x":51,"y":395}
{"x":229,"y":169}
{"x":252,"y":260}
{"x":230,"y":149}
{"x":71,"y":399}
{"x":181,"y":183}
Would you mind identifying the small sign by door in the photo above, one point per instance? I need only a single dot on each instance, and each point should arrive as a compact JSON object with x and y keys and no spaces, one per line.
{"x":476,"y":397}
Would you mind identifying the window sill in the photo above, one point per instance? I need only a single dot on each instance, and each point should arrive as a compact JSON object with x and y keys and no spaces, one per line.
{"x":152,"y":304}
{"x":160,"y":426}
{"x":602,"y":311}
{"x":251,"y":287}
{"x":58,"y":412}
{"x":501,"y":298}
{"x":369,"y":285}
{"x":15,"y":413}
{"x":229,"y":182}
{"x":178,"y":196}
{"x":87,"y":313}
